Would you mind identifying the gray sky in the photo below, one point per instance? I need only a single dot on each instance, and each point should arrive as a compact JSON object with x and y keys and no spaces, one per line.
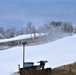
{"x":19,"y":12}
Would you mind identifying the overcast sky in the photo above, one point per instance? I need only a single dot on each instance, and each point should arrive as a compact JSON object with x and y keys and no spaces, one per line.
{"x":19,"y":12}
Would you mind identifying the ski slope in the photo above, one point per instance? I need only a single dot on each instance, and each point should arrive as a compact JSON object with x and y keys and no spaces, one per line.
{"x":57,"y":53}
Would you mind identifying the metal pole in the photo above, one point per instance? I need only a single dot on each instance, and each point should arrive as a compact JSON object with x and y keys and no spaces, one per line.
{"x":24,"y":43}
{"x":23,"y":54}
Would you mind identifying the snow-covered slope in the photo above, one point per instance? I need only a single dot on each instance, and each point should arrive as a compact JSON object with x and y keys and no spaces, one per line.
{"x":57,"y":53}
{"x":20,"y":37}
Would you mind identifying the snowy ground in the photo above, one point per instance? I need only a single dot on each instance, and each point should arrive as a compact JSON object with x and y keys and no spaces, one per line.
{"x":57,"y":53}
{"x":20,"y":37}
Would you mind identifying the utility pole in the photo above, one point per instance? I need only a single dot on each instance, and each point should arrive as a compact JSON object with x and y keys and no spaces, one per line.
{"x":24,"y":43}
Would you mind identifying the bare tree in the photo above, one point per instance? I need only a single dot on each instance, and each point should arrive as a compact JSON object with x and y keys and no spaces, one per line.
{"x":11,"y":32}
{"x":34,"y":31}
{"x":2,"y":31}
{"x":29,"y":28}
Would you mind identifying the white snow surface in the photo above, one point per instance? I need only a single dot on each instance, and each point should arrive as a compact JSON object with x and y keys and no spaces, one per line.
{"x":20,"y":37}
{"x":57,"y":53}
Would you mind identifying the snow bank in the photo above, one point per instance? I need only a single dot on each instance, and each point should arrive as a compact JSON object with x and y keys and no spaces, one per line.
{"x":20,"y":37}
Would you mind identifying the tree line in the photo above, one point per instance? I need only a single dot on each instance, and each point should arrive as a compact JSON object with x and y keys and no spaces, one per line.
{"x":51,"y":28}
